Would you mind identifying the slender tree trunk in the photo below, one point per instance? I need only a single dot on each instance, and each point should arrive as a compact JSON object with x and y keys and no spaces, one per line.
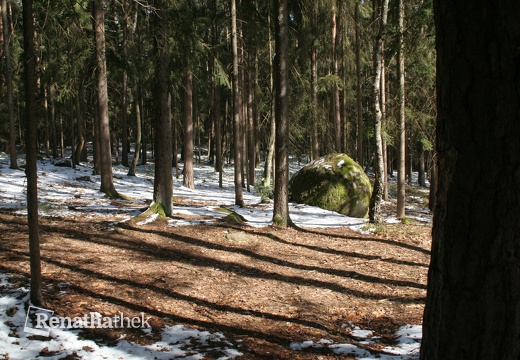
{"x":79,"y":133}
{"x":95,"y":142}
{"x":124,"y":90}
{"x":384,"y":178}
{"x":421,"y":163}
{"x":61,"y":136}
{"x":472,"y":304}
{"x":377,"y":193}
{"x":272,"y":135}
{"x":433,"y":183}
{"x":281,"y":193}
{"x":52,"y":119}
{"x":47,"y":121}
{"x":401,"y":158}
{"x":163,"y":179}
{"x":188,"y":180}
{"x":250,"y":130}
{"x":175,"y":136}
{"x":315,"y":147}
{"x":237,"y":109}
{"x":140,"y":97}
{"x":359,"y":100}
{"x":31,"y":141}
{"x":105,"y":156}
{"x":73,"y":140}
{"x":336,"y":104}
{"x":135,"y":159}
{"x":256,"y":112}
{"x":218,"y":132}
{"x":9,"y":83}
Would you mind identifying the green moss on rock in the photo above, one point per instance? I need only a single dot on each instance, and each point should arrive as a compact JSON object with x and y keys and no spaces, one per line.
{"x":335,"y":182}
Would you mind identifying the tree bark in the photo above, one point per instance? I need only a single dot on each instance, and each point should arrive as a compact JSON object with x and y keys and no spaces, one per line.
{"x":268,"y":169}
{"x":384,"y":178}
{"x":95,"y":142}
{"x":135,"y":159}
{"x":377,"y":193}
{"x":80,"y":134}
{"x":237,"y":110}
{"x":359,"y":103}
{"x":401,"y":158}
{"x":105,"y":155}
{"x":188,"y":180}
{"x":336,"y":104}
{"x":9,"y":83}
{"x":31,"y":148}
{"x":281,"y":194}
{"x":163,"y":179}
{"x":251,"y":158}
{"x":472,"y":305}
{"x":124,"y":90}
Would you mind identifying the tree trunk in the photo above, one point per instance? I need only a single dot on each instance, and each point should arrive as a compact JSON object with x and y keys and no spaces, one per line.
{"x":433,"y":183}
{"x":251,"y":158}
{"x":401,"y":159}
{"x":135,"y":159}
{"x":281,"y":194}
{"x":359,"y":100}
{"x":377,"y":193}
{"x":384,"y":178}
{"x":61,"y":136}
{"x":95,"y":142}
{"x":237,"y":110}
{"x":124,"y":90}
{"x":269,"y":159}
{"x":472,"y":304}
{"x":80,"y":134}
{"x":218,"y":132}
{"x":175,"y":132}
{"x":188,"y":180}
{"x":163,"y":179}
{"x":52,"y":118}
{"x":9,"y":83}
{"x":315,"y":147}
{"x":105,"y":155}
{"x":421,"y":165}
{"x":336,"y":104}
{"x":31,"y":140}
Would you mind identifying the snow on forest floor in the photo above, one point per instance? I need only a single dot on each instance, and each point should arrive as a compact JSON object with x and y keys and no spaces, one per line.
{"x":66,"y":192}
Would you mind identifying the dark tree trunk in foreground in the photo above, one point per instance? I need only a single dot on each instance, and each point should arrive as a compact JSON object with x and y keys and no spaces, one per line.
{"x":281,"y":183}
{"x":472,"y":306}
{"x":105,"y":154}
{"x":9,"y":81}
{"x":163,"y":180}
{"x":31,"y":140}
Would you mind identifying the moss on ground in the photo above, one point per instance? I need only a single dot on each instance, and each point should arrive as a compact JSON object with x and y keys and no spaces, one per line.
{"x":335,"y":182}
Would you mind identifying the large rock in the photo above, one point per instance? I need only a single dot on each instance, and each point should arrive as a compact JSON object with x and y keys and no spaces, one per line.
{"x":336,"y":183}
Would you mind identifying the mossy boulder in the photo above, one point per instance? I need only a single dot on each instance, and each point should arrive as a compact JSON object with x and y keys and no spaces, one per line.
{"x":334,"y":182}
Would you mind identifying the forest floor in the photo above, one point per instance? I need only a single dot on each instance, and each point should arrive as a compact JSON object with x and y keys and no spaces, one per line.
{"x":304,"y":293}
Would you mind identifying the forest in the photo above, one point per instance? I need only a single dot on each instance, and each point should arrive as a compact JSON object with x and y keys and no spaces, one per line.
{"x":148,"y":148}
{"x":330,"y":77}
